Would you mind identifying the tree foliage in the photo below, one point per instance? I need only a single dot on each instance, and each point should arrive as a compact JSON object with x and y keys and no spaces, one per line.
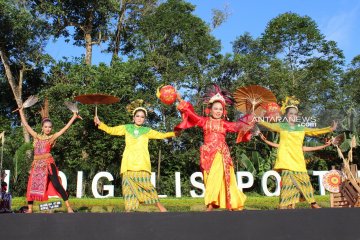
{"x":155,"y":43}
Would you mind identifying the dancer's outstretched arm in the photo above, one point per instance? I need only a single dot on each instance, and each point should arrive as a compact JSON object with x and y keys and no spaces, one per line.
{"x":25,"y":123}
{"x":319,"y":131}
{"x":309,"y":149}
{"x":67,"y":126}
{"x":304,"y":148}
{"x":267,"y":141}
{"x":117,"y":130}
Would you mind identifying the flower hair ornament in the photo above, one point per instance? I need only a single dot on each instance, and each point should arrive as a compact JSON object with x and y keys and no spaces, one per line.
{"x":290,"y":102}
{"x":215,"y":94}
{"x":136,"y":105}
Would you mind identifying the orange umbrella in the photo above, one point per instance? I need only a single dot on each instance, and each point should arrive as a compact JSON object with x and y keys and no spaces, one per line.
{"x":249,"y":99}
{"x":252,"y":99}
{"x":96,"y":99}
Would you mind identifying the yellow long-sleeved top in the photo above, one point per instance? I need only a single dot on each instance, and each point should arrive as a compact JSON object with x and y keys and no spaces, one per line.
{"x":290,"y":154}
{"x":136,"y":155}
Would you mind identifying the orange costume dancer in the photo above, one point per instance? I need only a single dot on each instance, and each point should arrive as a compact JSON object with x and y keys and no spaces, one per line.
{"x":221,"y":190}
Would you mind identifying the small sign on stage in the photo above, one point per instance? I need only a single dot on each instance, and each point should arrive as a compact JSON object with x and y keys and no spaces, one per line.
{"x":50,"y":206}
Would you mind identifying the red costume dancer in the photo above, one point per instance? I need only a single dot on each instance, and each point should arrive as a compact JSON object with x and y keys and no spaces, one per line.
{"x":43,"y":179}
{"x":215,"y":160}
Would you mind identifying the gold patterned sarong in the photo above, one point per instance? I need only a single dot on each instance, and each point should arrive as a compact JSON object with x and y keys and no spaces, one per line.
{"x":137,"y":188}
{"x":295,"y":187}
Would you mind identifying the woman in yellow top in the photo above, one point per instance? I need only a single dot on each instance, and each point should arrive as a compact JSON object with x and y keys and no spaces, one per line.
{"x":295,"y":182}
{"x":135,"y":165}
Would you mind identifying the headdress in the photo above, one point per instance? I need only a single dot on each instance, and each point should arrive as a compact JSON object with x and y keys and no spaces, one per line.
{"x":136,"y":105}
{"x":290,"y":102}
{"x":44,"y":112}
{"x":215,"y":94}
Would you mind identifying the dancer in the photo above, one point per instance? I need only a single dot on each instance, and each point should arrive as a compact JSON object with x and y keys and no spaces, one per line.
{"x":221,"y":190}
{"x":43,"y":179}
{"x":290,"y":157}
{"x":135,"y":165}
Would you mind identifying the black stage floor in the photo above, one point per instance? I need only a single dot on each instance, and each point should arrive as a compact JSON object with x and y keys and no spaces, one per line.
{"x":327,"y":224}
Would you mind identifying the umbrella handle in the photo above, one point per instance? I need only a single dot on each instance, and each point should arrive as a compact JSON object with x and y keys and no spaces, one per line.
{"x":96,"y":110}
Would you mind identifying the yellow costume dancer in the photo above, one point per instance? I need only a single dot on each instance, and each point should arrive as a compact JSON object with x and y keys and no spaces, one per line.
{"x":135,"y":165}
{"x":290,"y":158}
{"x":215,"y":161}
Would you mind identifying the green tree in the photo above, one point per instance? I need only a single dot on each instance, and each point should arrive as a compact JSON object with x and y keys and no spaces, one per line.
{"x":127,"y":18}
{"x":311,"y":62}
{"x":22,"y":41}
{"x":86,"y":21}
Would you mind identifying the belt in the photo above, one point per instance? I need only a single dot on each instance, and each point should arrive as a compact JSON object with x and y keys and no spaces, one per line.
{"x":42,"y":156}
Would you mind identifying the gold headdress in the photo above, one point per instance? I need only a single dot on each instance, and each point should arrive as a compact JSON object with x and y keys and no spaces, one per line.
{"x":136,"y":105}
{"x":288,"y":103}
{"x":214,"y":93}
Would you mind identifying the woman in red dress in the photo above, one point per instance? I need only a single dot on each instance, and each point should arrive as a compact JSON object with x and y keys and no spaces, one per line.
{"x":221,"y":190}
{"x":43,"y":179}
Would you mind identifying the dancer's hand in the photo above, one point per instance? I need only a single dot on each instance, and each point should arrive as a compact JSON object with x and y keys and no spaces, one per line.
{"x":76,"y":115}
{"x":96,"y":120}
{"x":178,"y":96}
{"x":262,"y":136}
{"x":334,"y":125}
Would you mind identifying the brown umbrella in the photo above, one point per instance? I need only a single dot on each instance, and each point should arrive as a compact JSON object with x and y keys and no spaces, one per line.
{"x":96,"y":99}
{"x":250,"y":98}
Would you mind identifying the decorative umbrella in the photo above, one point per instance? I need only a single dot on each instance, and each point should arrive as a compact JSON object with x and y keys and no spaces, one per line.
{"x":96,"y":99}
{"x":249,"y":99}
{"x":332,"y":181}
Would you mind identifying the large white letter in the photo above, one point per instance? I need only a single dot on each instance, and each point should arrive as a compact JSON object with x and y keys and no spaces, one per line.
{"x":79,"y":184}
{"x":197,"y":184}
{"x":177,"y":185}
{"x":153,"y":179}
{"x":63,"y":179}
{"x":264,"y":183}
{"x":240,"y":175}
{"x":321,"y":175}
{"x":109,"y":188}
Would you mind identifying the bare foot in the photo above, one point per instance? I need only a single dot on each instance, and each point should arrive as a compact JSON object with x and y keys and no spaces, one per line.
{"x":291,"y":206}
{"x":161,"y":207}
{"x":209,"y":208}
{"x":70,"y":210}
{"x":29,"y":211}
{"x":315,"y":205}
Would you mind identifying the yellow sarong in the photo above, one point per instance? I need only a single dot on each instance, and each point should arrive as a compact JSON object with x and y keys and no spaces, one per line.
{"x":137,"y":188}
{"x":215,"y":190}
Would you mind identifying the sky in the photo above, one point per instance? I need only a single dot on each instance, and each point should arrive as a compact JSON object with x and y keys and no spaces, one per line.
{"x":338,"y":20}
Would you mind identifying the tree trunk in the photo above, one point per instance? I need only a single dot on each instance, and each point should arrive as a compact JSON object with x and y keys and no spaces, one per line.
{"x":88,"y":46}
{"x":16,"y":88}
{"x":118,"y":30}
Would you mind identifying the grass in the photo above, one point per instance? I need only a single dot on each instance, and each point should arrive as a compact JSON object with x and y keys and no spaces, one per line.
{"x":253,"y":202}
